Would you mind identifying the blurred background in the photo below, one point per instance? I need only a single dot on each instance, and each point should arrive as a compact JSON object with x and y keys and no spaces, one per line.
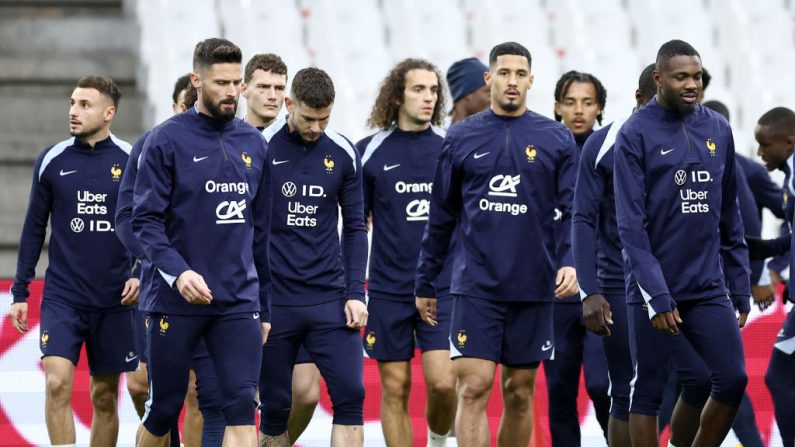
{"x":46,"y":45}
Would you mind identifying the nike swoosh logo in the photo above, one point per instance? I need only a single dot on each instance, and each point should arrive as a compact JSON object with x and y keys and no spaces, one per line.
{"x":663,"y":151}
{"x":546,"y":347}
{"x":63,"y":173}
{"x":256,"y":315}
{"x":198,"y":159}
{"x":481,"y":155}
{"x":279,"y":162}
{"x":389,"y":168}
{"x":129,"y":359}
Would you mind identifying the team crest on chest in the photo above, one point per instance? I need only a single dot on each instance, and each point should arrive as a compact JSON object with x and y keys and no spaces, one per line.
{"x":328,"y":162}
{"x":531,"y":153}
{"x":711,"y":146}
{"x":115,"y":171}
{"x":246,"y":159}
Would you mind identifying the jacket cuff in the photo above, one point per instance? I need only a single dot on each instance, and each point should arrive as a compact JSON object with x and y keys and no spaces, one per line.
{"x":742,"y":303}
{"x":660,"y":304}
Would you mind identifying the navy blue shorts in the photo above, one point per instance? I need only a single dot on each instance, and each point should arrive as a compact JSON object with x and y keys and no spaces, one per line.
{"x":335,"y":349}
{"x":303,"y":356}
{"x":109,"y":337}
{"x":514,"y":334}
{"x":653,"y":350}
{"x":393,"y":326}
{"x":234,"y":343}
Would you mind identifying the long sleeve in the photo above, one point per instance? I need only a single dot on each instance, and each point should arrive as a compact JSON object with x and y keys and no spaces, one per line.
{"x":354,"y":233}
{"x":124,"y":204}
{"x":262,"y":209}
{"x":566,"y":178}
{"x":630,"y":190}
{"x":34,"y":232}
{"x":588,"y":196}
{"x":733,"y":249}
{"x":446,"y":203}
{"x":151,"y":201}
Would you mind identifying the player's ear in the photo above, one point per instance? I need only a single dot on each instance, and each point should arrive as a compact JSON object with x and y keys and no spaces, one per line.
{"x":288,"y":103}
{"x":487,"y":78}
{"x":109,"y":113}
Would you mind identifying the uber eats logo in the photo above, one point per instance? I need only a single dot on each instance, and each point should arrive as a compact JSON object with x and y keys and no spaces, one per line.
{"x":89,"y":205}
{"x":300,"y":214}
{"x":503,"y":186}
{"x":693,"y":199}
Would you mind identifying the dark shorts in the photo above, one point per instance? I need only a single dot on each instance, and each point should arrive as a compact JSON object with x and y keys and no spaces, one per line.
{"x":393,"y":326}
{"x":140,"y":333}
{"x":517,"y":334}
{"x":109,"y":337}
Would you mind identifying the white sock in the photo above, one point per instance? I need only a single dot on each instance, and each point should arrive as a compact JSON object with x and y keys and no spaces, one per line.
{"x":435,"y":440}
{"x":671,"y":444}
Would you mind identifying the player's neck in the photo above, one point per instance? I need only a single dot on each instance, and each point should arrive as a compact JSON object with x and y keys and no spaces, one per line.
{"x":95,"y":138}
{"x":407,"y":124}
{"x":257,"y":121}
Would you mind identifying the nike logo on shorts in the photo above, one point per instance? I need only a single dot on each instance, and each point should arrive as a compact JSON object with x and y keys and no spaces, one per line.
{"x":63,"y":173}
{"x":129,"y":359}
{"x":198,"y":159}
{"x":256,"y":315}
{"x":547,"y":346}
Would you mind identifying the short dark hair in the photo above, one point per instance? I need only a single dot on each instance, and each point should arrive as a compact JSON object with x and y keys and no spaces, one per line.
{"x":705,"y":79}
{"x":780,"y":118}
{"x":313,"y":87}
{"x":718,"y":107}
{"x":191,"y":96}
{"x":265,"y":62}
{"x":511,"y":48}
{"x":182,"y":83}
{"x":646,"y":83}
{"x":215,"y":51}
{"x":390,"y":96}
{"x":673,"y":48}
{"x":572,"y":76}
{"x":104,"y":85}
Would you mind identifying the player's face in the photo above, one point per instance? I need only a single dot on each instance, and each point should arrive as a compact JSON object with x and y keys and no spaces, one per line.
{"x":579,"y":108}
{"x":509,"y":79}
{"x":477,"y":101}
{"x":219,"y":89}
{"x":419,"y":96}
{"x":264,"y":94}
{"x":89,"y":112}
{"x":679,"y":81}
{"x":310,"y":123}
{"x":775,"y":146}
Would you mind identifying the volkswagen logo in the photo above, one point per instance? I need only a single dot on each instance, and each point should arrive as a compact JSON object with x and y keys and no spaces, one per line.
{"x":289,"y":189}
{"x":680,"y":177}
{"x":77,"y":225}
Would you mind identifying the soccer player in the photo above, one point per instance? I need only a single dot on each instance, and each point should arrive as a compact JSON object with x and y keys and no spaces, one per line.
{"x":89,"y":287}
{"x":468,"y":88}
{"x":775,"y":134}
{"x":398,"y":164}
{"x":580,"y":100}
{"x":204,"y":419}
{"x":264,"y":83}
{"x":678,"y":220}
{"x":598,"y":260}
{"x":202,"y":183}
{"x":500,"y":176}
{"x":318,"y":280}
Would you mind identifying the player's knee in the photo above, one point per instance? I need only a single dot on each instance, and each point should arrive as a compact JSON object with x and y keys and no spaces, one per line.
{"x":729,"y":387}
{"x":192,"y":398}
{"x":517,"y":395}
{"x":161,"y":416}
{"x":647,"y":393}
{"x":348,"y":403}
{"x":396,"y":388}
{"x":139,"y":390}
{"x":239,"y":409}
{"x":597,"y":387}
{"x":474,"y":388}
{"x":442,"y":389}
{"x":307,"y":394}
{"x":104,"y":400}
{"x":59,"y":389}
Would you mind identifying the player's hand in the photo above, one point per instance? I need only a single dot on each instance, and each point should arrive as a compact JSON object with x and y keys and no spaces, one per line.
{"x":741,"y":319}
{"x":667,"y":322}
{"x":129,"y":296}
{"x":192,"y":287}
{"x":763,"y":296}
{"x":427,"y":309}
{"x":355,"y":314}
{"x":266,"y":329}
{"x":19,"y":317}
{"x":597,"y":315}
{"x":566,"y":282}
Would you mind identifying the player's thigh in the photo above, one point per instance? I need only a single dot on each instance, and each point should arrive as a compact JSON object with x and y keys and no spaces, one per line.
{"x":438,"y":369}
{"x":306,"y":383}
{"x":235,"y":345}
{"x":207,"y":392}
{"x":652,"y":351}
